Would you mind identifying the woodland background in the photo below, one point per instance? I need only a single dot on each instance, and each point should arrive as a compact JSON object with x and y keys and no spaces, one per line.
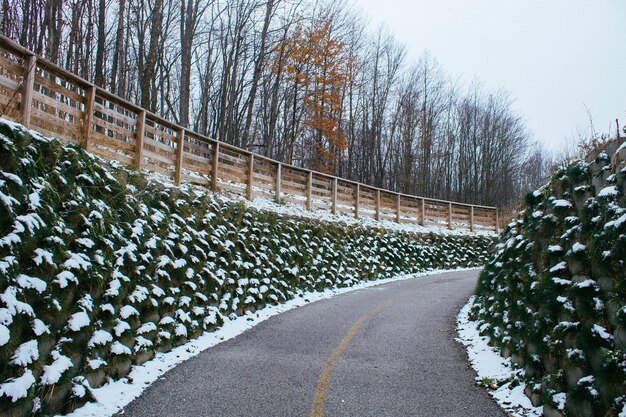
{"x":305,"y":82}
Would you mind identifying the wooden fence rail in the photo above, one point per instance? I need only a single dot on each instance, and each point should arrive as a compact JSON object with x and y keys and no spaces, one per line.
{"x":47,"y":98}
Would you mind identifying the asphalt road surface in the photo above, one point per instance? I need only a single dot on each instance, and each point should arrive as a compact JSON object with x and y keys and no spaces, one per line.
{"x":382,"y":351}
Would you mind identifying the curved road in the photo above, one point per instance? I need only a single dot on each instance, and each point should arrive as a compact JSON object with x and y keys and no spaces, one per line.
{"x":383,"y":351}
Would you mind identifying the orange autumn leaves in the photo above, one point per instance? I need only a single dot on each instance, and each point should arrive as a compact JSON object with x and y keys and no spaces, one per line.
{"x":317,"y":65}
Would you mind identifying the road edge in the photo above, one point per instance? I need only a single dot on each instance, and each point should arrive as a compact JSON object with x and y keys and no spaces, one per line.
{"x":114,"y":396}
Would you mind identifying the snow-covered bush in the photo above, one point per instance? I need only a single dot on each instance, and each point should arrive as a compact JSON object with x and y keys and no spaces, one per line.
{"x":553,"y":296}
{"x":101,"y":267}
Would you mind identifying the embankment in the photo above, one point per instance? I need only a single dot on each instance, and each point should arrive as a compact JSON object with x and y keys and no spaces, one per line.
{"x":101,"y":267}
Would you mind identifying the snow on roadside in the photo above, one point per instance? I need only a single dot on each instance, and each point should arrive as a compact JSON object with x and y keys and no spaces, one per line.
{"x":115,"y":395}
{"x":503,"y":382}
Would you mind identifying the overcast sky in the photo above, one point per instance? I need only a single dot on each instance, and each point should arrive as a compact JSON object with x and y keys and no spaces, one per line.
{"x":555,"y":57}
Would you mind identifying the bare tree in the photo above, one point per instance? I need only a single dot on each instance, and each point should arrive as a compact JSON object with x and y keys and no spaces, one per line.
{"x":303,"y":82}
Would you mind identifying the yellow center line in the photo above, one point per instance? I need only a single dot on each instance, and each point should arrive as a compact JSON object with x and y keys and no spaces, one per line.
{"x":319,"y":400}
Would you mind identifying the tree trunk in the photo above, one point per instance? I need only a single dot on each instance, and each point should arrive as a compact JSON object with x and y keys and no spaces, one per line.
{"x":119,"y":44}
{"x":99,"y":70}
{"x":146,"y":77}
{"x":257,"y":72}
{"x":53,"y":24}
{"x":188,"y":20}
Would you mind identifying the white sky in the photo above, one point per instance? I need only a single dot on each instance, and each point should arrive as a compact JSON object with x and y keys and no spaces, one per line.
{"x":555,"y":57}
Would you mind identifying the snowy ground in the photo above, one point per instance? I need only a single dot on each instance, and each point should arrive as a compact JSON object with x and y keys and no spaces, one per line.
{"x":493,"y":371}
{"x":115,"y":395}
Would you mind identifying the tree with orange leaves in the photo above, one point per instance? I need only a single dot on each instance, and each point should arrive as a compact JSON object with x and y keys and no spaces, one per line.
{"x":318,"y":67}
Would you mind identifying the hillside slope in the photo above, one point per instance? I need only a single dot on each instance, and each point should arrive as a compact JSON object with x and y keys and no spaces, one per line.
{"x":101,"y":267}
{"x":553,"y":297}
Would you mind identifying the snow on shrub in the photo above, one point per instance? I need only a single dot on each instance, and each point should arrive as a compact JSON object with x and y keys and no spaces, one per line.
{"x":553,"y":293}
{"x":102,"y":266}
{"x":17,"y":388}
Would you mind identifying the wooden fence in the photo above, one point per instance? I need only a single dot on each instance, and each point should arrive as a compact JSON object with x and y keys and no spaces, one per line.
{"x":47,"y":98}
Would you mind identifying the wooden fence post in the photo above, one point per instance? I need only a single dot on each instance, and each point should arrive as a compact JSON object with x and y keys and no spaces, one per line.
{"x":497,"y":222}
{"x":278,"y":175}
{"x":180,"y":148}
{"x":88,"y":115}
{"x":250,"y":177}
{"x":422,"y":212}
{"x":309,"y":193}
{"x":139,"y":133}
{"x":27,"y":89}
{"x":449,"y":215}
{"x":334,"y":197}
{"x":215,"y":166}
{"x":471,"y":218}
{"x":377,"y":204}
{"x":398,"y":211}
{"x":356,"y":200}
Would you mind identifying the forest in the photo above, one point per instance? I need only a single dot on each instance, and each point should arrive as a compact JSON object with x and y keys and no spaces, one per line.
{"x":310,"y":83}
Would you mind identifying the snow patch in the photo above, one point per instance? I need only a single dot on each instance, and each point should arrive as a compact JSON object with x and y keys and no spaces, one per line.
{"x":119,"y":349}
{"x":602,"y":332}
{"x":100,"y":337}
{"x":128,"y":311}
{"x":16,"y":388}
{"x":64,"y":278}
{"x":559,"y":267}
{"x":562,"y":204}
{"x":5,"y":335}
{"x":26,"y":353}
{"x":27,"y":282}
{"x":52,"y":373}
{"x":39,"y":327}
{"x":78,"y":320}
{"x":610,"y":191}
{"x":559,"y":400}
{"x":14,"y":306}
{"x":492,"y":367}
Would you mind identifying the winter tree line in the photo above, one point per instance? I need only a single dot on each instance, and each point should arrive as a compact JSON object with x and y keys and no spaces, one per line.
{"x":304,"y":82}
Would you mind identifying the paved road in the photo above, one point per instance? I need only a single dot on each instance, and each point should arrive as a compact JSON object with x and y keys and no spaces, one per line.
{"x":382,"y":351}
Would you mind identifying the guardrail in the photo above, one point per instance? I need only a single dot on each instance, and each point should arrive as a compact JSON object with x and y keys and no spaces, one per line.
{"x":47,"y":98}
